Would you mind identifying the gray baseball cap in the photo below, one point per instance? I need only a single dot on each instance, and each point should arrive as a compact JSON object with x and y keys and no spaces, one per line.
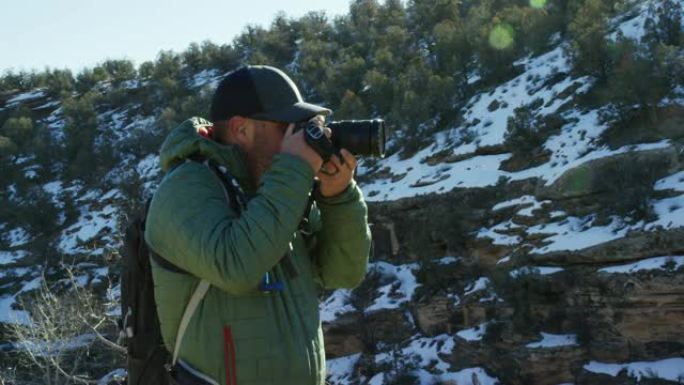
{"x":263,"y":93}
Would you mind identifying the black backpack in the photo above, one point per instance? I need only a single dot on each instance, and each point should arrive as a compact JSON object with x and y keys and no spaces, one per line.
{"x":148,"y":359}
{"x":139,"y":324}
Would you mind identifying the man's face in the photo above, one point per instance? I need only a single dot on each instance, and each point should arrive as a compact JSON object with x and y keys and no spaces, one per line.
{"x":264,"y":140}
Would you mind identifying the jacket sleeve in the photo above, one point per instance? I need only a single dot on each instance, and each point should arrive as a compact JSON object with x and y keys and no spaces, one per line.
{"x":343,"y":239}
{"x":191,"y":224}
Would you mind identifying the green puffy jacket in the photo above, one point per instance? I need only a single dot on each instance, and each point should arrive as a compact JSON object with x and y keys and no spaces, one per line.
{"x":238,"y":334}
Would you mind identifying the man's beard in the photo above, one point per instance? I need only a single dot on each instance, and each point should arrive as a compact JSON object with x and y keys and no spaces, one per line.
{"x":257,"y":163}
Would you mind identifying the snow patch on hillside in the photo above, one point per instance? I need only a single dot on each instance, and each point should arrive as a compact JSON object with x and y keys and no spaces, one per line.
{"x":428,"y":352}
{"x":554,"y":341}
{"x":8,"y":313}
{"x":98,"y":222}
{"x":18,"y":237}
{"x":209,"y":77}
{"x":340,"y":371}
{"x":336,"y":305}
{"x":489,"y":124}
{"x":570,"y":233}
{"x":534,"y":270}
{"x":655,"y":263}
{"x":9,"y":257}
{"x":475,"y":333}
{"x":576,"y":144}
{"x":671,"y":369}
{"x":149,"y":171}
{"x":25,"y":97}
{"x":481,"y":284}
{"x":673,"y":182}
{"x":398,"y":285}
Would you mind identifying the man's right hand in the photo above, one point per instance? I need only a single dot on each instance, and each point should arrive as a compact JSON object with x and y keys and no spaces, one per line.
{"x":295,"y":144}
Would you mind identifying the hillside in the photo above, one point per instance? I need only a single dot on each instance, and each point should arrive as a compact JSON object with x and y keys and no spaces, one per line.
{"x":528,"y":228}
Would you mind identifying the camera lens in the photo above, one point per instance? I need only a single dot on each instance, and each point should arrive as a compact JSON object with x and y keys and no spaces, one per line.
{"x":361,"y":137}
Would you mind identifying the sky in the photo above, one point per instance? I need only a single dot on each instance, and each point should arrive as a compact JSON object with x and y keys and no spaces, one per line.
{"x":78,"y":34}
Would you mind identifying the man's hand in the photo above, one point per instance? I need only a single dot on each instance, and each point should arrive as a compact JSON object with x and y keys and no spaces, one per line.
{"x":336,"y":176}
{"x":295,"y":144}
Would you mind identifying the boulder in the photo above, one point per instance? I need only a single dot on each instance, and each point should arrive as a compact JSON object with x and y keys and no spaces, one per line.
{"x":387,"y":325}
{"x":343,"y":336}
{"x":589,"y":178}
{"x":432,"y":316}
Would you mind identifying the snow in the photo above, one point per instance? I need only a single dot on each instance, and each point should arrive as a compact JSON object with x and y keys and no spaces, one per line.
{"x":111,"y":194}
{"x":569,"y":149}
{"x":514,"y":202}
{"x":7,"y":312}
{"x":537,"y":270}
{"x":466,"y":376}
{"x":480,"y":284}
{"x":148,"y":167}
{"x":575,"y":233}
{"x":531,"y":205}
{"x":47,"y":105}
{"x":118,"y":374}
{"x":31,"y":174}
{"x":14,"y":272}
{"x":10,"y":315}
{"x":670,"y":212}
{"x":53,"y":188}
{"x":211,"y":77}
{"x":18,"y":237}
{"x":43,"y":348}
{"x":671,"y":369}
{"x":633,"y":28}
{"x":26,"y":96}
{"x":446,"y":260}
{"x":90,"y":224}
{"x":131,"y":84}
{"x":554,"y":341}
{"x":336,"y":305}
{"x":400,"y":286}
{"x":496,"y":234}
{"x":420,"y":178}
{"x":55,"y":123}
{"x":673,"y":182}
{"x":475,"y":333}
{"x":570,"y":233}
{"x":656,"y":263}
{"x":578,"y":143}
{"x":341,"y":370}
{"x":9,"y":257}
{"x":491,"y":125}
{"x":427,"y":353}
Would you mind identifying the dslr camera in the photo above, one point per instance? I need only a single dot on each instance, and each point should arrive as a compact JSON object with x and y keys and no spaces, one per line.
{"x":360,"y":137}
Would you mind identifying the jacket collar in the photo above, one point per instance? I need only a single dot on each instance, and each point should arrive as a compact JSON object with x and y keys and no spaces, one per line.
{"x":190,"y":138}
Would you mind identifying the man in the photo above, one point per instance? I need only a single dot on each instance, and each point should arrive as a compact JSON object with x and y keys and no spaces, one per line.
{"x":243,"y":332}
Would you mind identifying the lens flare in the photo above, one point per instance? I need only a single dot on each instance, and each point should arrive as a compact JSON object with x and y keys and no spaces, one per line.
{"x":501,"y":36}
{"x":537,"y":3}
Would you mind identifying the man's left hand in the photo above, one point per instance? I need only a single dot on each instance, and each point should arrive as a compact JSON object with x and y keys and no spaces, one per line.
{"x":335,"y":176}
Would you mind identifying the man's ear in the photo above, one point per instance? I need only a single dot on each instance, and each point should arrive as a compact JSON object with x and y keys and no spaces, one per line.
{"x":238,"y":131}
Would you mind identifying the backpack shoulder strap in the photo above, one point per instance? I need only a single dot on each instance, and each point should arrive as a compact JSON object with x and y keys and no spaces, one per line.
{"x":195,"y":300}
{"x":236,"y":199}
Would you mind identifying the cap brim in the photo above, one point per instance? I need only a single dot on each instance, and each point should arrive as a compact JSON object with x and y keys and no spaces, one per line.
{"x":298,"y":112}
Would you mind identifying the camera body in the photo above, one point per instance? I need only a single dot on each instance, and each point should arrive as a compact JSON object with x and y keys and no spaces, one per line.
{"x":360,"y":137}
